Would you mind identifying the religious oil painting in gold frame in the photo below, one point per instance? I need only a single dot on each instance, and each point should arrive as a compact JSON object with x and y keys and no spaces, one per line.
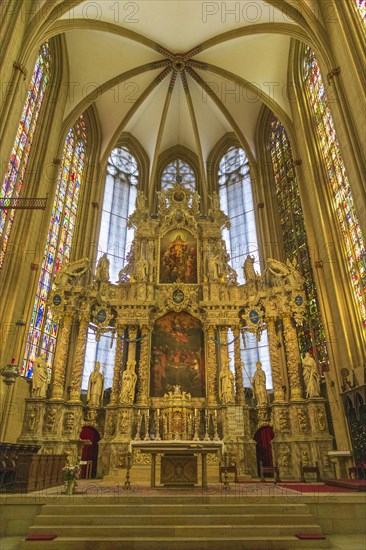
{"x":178,"y":257}
{"x":177,"y":355}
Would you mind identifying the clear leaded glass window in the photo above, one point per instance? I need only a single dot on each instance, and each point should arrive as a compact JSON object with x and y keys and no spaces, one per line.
{"x":311,"y":335}
{"x":115,"y":239}
{"x":42,"y":335}
{"x":236,"y":200}
{"x":337,"y":180}
{"x":178,"y":168}
{"x":119,"y":202}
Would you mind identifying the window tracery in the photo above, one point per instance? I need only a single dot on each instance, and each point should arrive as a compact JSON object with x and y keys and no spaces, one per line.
{"x":178,"y":167}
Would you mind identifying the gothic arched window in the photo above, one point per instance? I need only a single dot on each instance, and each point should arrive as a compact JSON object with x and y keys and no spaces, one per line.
{"x":311,"y":335}
{"x":337,"y":179}
{"x":115,"y":239}
{"x":14,"y":175}
{"x":236,"y":200}
{"x":119,"y":202}
{"x":178,"y":167}
{"x":42,"y":333}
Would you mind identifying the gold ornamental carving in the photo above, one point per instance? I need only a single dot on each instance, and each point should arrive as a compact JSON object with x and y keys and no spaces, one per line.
{"x":61,"y":357}
{"x":293,"y":358}
{"x":77,"y":368}
{"x":275,"y":363}
{"x":117,"y":364}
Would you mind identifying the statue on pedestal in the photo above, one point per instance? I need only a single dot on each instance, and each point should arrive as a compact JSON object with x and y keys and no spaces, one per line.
{"x":102,"y":272}
{"x":129,"y":379}
{"x":311,"y":376}
{"x":95,"y":387}
{"x":259,"y":386}
{"x":40,"y":376}
{"x":226,"y":384}
{"x":248,"y":269}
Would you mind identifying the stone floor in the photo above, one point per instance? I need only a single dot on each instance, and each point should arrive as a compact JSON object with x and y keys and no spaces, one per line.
{"x":338,"y":542}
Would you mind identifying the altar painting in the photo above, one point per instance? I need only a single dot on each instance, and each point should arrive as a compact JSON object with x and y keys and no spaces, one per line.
{"x":178,"y":257}
{"x":177,"y":355}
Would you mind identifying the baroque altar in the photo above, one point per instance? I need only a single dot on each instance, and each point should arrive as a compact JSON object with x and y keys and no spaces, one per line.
{"x":174,"y":380}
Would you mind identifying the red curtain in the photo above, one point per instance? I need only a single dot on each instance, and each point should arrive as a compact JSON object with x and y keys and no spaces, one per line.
{"x":263,"y":437}
{"x":90,"y":452}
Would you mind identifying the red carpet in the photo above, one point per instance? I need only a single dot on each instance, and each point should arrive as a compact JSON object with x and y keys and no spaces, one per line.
{"x":41,"y":536}
{"x":314,"y":488}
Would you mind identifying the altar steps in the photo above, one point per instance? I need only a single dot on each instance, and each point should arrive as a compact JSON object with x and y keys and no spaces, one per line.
{"x":149,"y":525}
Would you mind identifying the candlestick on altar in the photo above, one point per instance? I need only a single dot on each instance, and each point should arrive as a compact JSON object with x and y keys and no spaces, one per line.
{"x":226,"y":481}
{"x":147,"y":422}
{"x":127,"y":485}
{"x":157,"y":426}
{"x":207,"y":420}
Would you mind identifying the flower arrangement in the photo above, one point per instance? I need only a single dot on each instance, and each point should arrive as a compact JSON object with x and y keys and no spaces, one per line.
{"x":71,"y":472}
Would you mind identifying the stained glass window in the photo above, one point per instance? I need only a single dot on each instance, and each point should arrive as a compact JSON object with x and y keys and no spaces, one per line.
{"x":361,"y":6}
{"x":14,"y":175}
{"x":236,"y":200}
{"x":311,"y":335}
{"x":42,"y":333}
{"x":338,"y":180}
{"x":178,"y":168}
{"x":115,"y":239}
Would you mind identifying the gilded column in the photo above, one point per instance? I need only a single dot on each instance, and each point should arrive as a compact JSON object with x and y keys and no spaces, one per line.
{"x":143,"y":375}
{"x":293,"y":358}
{"x":61,"y":356}
{"x":239,"y":384}
{"x":117,"y":364}
{"x":275,"y":361}
{"x":211,"y":366}
{"x":78,"y":363}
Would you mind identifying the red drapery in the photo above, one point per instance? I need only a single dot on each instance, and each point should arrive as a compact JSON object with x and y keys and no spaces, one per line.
{"x":263,"y":437}
{"x":90,"y":452}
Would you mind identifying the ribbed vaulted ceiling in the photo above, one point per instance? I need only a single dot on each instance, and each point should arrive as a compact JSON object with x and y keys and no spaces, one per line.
{"x":179,"y":72}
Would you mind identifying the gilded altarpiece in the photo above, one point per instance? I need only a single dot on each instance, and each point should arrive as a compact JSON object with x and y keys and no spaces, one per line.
{"x":170,"y":312}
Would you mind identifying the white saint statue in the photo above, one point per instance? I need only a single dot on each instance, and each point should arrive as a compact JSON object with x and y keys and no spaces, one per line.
{"x":311,"y":376}
{"x":95,"y":387}
{"x":129,"y":379}
{"x":40,"y":376}
{"x":259,"y":385}
{"x":226,"y":384}
{"x":102,"y":272}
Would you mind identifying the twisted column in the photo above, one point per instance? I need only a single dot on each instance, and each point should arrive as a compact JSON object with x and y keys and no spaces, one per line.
{"x":275,"y":361}
{"x":78,"y":363}
{"x":239,"y":384}
{"x":293,"y":358}
{"x":117,"y":364}
{"x":144,"y":368}
{"x":61,"y":357}
{"x":211,"y":366}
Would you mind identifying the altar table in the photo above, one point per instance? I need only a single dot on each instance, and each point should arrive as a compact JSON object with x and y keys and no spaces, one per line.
{"x":177,"y":448}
